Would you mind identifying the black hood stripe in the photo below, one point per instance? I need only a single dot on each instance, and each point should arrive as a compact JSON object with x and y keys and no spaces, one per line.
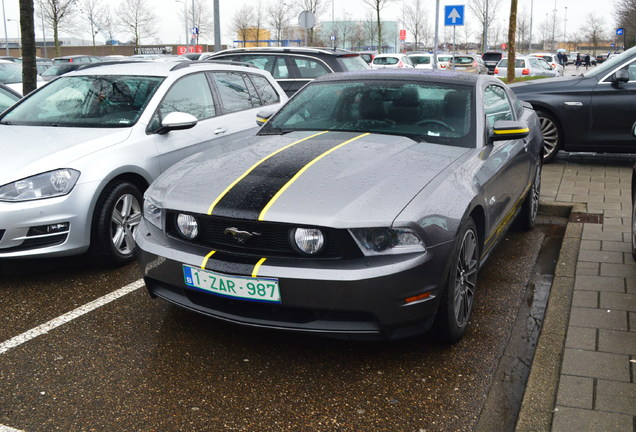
{"x":256,"y":190}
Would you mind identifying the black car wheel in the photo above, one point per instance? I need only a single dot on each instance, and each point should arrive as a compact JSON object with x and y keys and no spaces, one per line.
{"x":552,"y":137}
{"x":457,"y":301}
{"x":116,"y":218}
{"x":530,"y":207}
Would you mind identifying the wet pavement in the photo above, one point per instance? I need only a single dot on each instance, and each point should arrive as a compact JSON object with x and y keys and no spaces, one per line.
{"x":137,"y":364}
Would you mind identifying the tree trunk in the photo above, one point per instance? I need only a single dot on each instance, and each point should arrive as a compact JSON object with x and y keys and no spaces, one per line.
{"x":377,"y":10}
{"x":511,"y":42}
{"x":27,"y":28}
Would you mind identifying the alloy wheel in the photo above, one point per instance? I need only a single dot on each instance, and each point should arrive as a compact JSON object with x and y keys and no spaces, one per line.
{"x":465,"y":278}
{"x":124,"y":221}
{"x":550,"y":133}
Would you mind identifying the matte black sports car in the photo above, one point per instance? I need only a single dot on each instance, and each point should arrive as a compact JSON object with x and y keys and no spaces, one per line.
{"x":363,"y":208}
{"x":592,"y":112}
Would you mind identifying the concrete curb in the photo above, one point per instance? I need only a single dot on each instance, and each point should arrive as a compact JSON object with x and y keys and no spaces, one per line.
{"x":540,"y":396}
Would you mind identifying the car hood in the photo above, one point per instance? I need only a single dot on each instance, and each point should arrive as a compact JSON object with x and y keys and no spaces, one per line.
{"x":29,"y":150}
{"x":362,"y":180}
{"x":546,"y":84}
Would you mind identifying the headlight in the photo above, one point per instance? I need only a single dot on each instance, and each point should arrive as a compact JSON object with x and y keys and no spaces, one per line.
{"x":153,"y":211}
{"x":188,"y":226}
{"x":309,"y":241}
{"x":383,"y":240}
{"x":46,"y":185}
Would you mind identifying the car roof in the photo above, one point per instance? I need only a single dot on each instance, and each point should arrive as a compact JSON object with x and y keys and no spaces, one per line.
{"x":152,"y":68}
{"x":418,"y":75}
{"x":291,"y":50}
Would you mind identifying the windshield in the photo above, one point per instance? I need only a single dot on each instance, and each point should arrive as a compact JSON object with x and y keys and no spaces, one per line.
{"x":10,"y":73}
{"x":423,"y":111}
{"x":86,"y":101}
{"x":609,"y":64}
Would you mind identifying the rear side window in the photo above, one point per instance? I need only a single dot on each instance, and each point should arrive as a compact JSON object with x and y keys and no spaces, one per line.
{"x":309,"y":68}
{"x":233,"y":91}
{"x":265,"y":90}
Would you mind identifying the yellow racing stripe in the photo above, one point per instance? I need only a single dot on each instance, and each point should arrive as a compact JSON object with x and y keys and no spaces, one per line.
{"x":301,"y":171}
{"x":257,"y":267}
{"x":206,"y":258}
{"x":253,"y":167}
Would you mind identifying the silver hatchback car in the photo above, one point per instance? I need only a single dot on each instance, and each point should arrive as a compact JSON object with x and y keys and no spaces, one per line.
{"x":78,"y":153}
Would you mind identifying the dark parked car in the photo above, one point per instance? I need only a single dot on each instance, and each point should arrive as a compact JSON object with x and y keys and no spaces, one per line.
{"x":491,"y":58}
{"x":592,"y":112}
{"x":8,"y":97}
{"x":295,"y":67}
{"x":59,"y":69}
{"x":363,"y":208}
{"x":76,"y":59}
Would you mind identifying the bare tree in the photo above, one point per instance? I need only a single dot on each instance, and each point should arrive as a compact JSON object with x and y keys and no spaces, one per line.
{"x":523,"y":29}
{"x":90,"y":11}
{"x":512,"y":53}
{"x":57,"y":14}
{"x":370,"y":29}
{"x":416,"y":20}
{"x":625,"y":14}
{"x":259,"y":21}
{"x":278,"y":19}
{"x":27,"y":30}
{"x":377,"y":6}
{"x":343,"y":31}
{"x":199,"y":15}
{"x":137,"y":17}
{"x":317,"y":7}
{"x":107,"y":25}
{"x":485,"y":11}
{"x":242,"y":22}
{"x":594,"y":30}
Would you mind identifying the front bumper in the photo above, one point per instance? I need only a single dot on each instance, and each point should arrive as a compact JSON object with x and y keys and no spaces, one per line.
{"x":362,"y":298}
{"x":23,"y":225}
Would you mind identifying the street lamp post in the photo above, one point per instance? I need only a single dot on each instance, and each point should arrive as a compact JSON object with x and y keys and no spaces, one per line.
{"x":565,"y":26}
{"x":531,"y":15}
{"x":185,"y":19}
{"x":4,"y":22}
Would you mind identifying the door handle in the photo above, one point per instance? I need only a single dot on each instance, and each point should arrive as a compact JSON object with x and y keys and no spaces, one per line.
{"x":219,"y":131}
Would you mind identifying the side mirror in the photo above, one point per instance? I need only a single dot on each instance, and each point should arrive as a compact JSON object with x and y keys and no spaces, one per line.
{"x":507,"y":130}
{"x":620,"y":76}
{"x":177,"y":121}
{"x":263,"y":116}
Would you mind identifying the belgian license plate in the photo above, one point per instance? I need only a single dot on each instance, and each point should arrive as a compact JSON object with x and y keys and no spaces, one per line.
{"x":243,"y":287}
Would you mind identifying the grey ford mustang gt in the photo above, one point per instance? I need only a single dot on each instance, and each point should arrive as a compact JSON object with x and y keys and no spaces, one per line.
{"x":362,"y":209}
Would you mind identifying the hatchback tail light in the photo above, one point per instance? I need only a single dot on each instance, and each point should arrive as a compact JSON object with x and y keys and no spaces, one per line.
{"x":400,"y":64}
{"x":496,"y":71}
{"x":526,"y":71}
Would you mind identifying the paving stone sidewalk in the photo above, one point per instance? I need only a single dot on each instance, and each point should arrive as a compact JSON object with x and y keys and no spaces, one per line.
{"x":582,"y":376}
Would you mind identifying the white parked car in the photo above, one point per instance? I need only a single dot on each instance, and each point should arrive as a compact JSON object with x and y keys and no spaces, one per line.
{"x":552,"y":60}
{"x":421,"y":60}
{"x":526,"y":66}
{"x":78,"y":153}
{"x":396,"y":60}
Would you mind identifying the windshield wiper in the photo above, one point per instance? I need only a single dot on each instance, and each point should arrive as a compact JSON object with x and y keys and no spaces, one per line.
{"x":5,"y":122}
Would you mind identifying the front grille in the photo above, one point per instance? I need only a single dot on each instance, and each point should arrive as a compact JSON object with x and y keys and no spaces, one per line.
{"x":38,"y":242}
{"x":273,"y":241}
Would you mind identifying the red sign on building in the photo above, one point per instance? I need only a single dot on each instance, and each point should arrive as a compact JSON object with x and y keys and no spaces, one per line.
{"x":402,"y":34}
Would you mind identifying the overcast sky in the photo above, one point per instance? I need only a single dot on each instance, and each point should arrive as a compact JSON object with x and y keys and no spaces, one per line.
{"x":173,"y":30}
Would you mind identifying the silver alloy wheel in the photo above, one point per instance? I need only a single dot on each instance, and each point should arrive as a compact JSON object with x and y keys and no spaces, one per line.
{"x":465,"y":278}
{"x":124,"y":221}
{"x":550,"y":133}
{"x":536,"y":193}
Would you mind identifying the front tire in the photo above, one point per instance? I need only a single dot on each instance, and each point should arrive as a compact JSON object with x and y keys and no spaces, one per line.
{"x":456,"y":303}
{"x":116,"y":218}
{"x":528,"y":215}
{"x":552,"y":135}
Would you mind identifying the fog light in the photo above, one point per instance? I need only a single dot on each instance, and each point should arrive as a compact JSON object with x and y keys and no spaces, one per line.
{"x":309,"y":241}
{"x":187,"y":226}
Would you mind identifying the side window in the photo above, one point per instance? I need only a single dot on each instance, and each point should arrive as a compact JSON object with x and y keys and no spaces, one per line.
{"x":496,"y":105}
{"x":192,"y":95}
{"x":265,"y":90}
{"x":233,"y":91}
{"x":309,"y":68}
{"x":272,"y":64}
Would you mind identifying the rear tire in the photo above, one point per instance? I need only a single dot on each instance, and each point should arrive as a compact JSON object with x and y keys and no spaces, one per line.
{"x":116,"y":218}
{"x":552,"y":135}
{"x":456,"y":303}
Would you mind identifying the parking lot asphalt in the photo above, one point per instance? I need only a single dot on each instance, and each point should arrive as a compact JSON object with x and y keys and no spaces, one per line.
{"x":582,"y":375}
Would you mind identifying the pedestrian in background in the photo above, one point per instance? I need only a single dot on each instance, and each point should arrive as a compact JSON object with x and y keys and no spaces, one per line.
{"x":587,"y":60}
{"x":577,"y":62}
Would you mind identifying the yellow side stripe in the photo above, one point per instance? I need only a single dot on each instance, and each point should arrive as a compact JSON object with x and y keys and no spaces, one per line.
{"x":301,"y":171}
{"x":205,"y":260}
{"x":508,"y":217}
{"x":253,"y":167}
{"x":257,"y":267}
{"x":511,"y":131}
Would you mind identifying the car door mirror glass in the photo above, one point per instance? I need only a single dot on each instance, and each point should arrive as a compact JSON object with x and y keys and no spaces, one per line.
{"x":620,"y":76}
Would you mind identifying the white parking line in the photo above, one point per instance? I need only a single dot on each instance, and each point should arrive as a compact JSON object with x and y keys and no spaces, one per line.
{"x":8,"y":429}
{"x":67,"y":317}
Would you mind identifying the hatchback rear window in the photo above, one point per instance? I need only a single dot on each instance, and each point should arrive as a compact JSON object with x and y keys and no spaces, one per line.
{"x":352,"y":63}
{"x":492,"y":56}
{"x":385,"y":60}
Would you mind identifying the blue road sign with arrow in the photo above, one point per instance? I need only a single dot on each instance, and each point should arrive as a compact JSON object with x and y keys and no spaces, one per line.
{"x":620,"y":31}
{"x":454,"y":15}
